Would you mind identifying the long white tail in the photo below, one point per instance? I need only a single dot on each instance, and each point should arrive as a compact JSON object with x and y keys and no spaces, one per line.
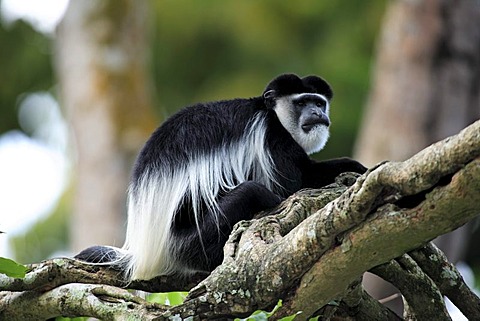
{"x":156,"y":197}
{"x":151,"y":208}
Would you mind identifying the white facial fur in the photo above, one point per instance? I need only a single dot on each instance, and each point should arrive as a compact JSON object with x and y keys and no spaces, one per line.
{"x":312,"y":141}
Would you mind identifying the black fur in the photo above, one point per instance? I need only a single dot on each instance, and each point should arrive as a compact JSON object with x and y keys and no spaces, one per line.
{"x":289,"y":84}
{"x":204,"y":128}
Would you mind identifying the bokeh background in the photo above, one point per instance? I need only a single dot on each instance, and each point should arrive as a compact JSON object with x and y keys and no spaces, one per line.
{"x":194,"y":51}
{"x":83,"y":84}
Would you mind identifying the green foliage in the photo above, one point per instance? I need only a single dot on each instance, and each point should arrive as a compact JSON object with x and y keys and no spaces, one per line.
{"x":261,"y":315}
{"x":72,"y":319}
{"x":12,"y":268}
{"x":25,"y":64}
{"x":208,"y":50}
{"x":213,"y":49}
{"x":45,"y":237}
{"x":170,"y":298}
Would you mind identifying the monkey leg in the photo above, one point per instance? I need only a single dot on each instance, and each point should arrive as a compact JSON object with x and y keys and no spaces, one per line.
{"x":199,"y":246}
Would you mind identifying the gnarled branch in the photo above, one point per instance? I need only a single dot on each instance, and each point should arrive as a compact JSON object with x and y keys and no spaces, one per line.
{"x":314,"y":248}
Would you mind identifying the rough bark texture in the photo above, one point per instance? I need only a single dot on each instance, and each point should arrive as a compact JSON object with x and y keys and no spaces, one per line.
{"x":419,"y":291}
{"x":310,"y":252}
{"x":449,"y":281}
{"x":102,"y":68}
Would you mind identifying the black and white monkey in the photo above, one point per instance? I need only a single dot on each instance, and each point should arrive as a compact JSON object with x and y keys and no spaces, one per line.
{"x":214,"y":164}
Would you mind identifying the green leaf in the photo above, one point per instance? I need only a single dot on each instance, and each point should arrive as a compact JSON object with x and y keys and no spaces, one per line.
{"x":176,"y":298}
{"x":170,"y":298}
{"x":12,"y":268}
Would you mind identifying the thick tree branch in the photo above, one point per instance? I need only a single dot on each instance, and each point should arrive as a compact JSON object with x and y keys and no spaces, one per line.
{"x":314,"y":249}
{"x":388,"y":233}
{"x":422,"y":295}
{"x":56,"y":272}
{"x":435,"y":264}
{"x":358,"y":305}
{"x":100,"y":301}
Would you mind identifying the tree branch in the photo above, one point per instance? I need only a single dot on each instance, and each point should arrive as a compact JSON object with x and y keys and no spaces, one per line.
{"x":60,"y":271}
{"x":424,"y":299}
{"x":360,"y":306}
{"x":435,"y":264}
{"x":319,"y":243}
{"x":100,"y":301}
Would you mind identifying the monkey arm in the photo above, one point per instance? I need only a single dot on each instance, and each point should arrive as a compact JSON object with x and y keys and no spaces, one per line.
{"x":319,"y":174}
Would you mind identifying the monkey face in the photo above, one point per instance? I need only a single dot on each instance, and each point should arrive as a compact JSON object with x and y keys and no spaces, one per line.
{"x":305,"y":117}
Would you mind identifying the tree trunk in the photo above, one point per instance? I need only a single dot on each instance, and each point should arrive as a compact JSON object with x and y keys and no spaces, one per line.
{"x":426,"y":86}
{"x":427,"y":78}
{"x":101,"y":58}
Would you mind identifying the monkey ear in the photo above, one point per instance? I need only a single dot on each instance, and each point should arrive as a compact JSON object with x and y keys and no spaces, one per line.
{"x":319,"y":84}
{"x":269,"y":98}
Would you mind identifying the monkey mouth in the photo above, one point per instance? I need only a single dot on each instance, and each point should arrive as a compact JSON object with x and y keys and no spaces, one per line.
{"x":311,"y":123}
{"x":308,"y":127}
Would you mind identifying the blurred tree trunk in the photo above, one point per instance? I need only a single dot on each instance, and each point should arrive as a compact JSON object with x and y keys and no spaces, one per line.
{"x":427,"y":78}
{"x":426,"y":84}
{"x":102,"y":59}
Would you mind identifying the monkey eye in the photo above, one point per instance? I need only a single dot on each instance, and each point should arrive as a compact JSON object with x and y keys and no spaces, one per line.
{"x":301,"y":103}
{"x":320,"y":104}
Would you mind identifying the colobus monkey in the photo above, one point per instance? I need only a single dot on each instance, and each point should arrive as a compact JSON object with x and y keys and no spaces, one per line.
{"x":214,"y":164}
